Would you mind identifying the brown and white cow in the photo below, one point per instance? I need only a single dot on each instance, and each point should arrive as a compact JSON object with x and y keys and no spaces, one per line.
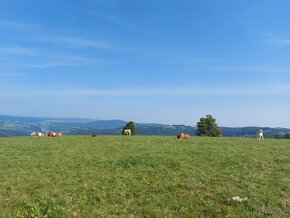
{"x":51,"y":134}
{"x":94,"y":134}
{"x":37,"y":134}
{"x":54,"y":134}
{"x":182,"y":136}
{"x":58,"y":134}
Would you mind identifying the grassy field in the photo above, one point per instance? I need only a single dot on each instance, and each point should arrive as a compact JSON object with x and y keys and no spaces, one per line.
{"x":115,"y":176}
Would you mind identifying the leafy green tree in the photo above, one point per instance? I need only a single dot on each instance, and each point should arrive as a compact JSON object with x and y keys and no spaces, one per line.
{"x":207,"y":126}
{"x":130,"y":125}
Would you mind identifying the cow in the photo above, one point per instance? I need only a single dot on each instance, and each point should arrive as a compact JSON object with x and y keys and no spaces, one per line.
{"x":260,"y":135}
{"x":182,"y":136}
{"x":37,"y":134}
{"x":94,"y":134}
{"x":58,"y":134}
{"x":34,"y":134}
{"x":54,"y":134}
{"x":127,"y":132}
{"x":51,"y":134}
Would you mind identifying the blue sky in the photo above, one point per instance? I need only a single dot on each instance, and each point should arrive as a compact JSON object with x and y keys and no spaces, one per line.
{"x":164,"y":61}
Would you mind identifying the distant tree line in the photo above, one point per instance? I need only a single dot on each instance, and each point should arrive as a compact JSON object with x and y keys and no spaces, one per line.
{"x":282,"y":136}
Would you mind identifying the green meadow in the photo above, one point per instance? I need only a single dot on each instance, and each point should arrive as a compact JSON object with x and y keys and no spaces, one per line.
{"x":144,"y":176}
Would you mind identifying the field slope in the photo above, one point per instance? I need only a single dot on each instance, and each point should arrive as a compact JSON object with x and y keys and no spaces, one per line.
{"x":81,"y":176}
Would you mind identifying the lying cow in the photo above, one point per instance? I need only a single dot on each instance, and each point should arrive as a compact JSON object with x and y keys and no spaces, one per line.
{"x":94,"y":134}
{"x":260,"y":135}
{"x":53,"y":134}
{"x":58,"y":134}
{"x":37,"y":134}
{"x":127,"y":132}
{"x":182,"y":136}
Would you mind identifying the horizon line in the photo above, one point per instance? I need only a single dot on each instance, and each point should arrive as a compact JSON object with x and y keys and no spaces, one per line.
{"x":94,"y":119}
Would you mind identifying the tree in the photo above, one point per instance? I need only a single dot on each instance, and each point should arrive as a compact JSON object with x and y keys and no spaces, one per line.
{"x":207,"y":126}
{"x":130,"y":125}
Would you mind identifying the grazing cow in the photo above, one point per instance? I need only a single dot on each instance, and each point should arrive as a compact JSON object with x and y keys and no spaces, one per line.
{"x":37,"y":134}
{"x":182,"y":136}
{"x":260,"y":135}
{"x":127,"y":132}
{"x":94,"y":134}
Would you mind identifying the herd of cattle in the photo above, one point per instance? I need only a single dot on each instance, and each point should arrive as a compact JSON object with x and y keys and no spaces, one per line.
{"x":127,"y":132}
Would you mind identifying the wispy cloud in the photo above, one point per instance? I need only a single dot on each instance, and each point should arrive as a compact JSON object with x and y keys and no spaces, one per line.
{"x":18,"y":50}
{"x":176,"y":91}
{"x":52,"y":64}
{"x":61,"y":59}
{"x":252,"y":69}
{"x":45,"y":58}
{"x":76,"y":42}
{"x":5,"y":74}
{"x":18,"y":25}
{"x":187,"y":60}
{"x":132,"y":27}
{"x":73,"y":42}
{"x":280,"y":41}
{"x":128,"y":25}
{"x":68,"y":57}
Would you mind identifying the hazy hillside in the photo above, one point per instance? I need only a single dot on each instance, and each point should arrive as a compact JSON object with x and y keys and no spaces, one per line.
{"x":21,"y":126}
{"x":251,"y":131}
